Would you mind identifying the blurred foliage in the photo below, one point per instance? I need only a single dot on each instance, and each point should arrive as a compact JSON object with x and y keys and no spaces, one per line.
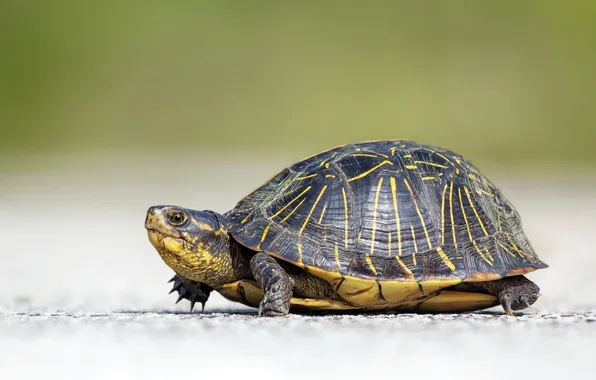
{"x":498,"y":81}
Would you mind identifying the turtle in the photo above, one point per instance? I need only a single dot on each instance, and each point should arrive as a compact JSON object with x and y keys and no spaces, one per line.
{"x":385,"y":226}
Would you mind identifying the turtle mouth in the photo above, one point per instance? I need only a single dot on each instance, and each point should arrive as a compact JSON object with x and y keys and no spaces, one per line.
{"x":164,"y":241}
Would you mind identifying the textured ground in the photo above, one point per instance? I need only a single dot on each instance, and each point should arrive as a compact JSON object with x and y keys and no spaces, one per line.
{"x":84,"y":295}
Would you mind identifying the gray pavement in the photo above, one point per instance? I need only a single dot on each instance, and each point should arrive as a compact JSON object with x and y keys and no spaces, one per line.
{"x":84,"y":295}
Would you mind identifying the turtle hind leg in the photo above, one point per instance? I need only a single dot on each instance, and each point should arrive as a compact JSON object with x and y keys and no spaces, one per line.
{"x":190,"y":290}
{"x":275,"y":283}
{"x":514,"y":293}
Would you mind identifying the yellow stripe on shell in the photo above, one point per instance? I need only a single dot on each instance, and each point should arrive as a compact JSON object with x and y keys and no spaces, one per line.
{"x":430,"y":164}
{"x":443,"y":215}
{"x":294,"y":210}
{"x":414,"y":238}
{"x":299,"y":247}
{"x":451,"y":212}
{"x":305,"y":177}
{"x":362,"y":175}
{"x":265,"y":232}
{"x":375,"y":212}
{"x":377,"y":153}
{"x":445,"y":258}
{"x":246,"y":217}
{"x":312,"y":209}
{"x":419,"y":213}
{"x":370,"y":264}
{"x":292,"y":201}
{"x":346,"y":217}
{"x":506,"y":249}
{"x":322,"y":213}
{"x":396,"y":211}
{"x":328,"y":158}
{"x":463,"y":211}
{"x":475,"y":212}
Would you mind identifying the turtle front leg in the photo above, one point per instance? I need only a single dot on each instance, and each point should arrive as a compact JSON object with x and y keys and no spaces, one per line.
{"x":190,"y":290}
{"x":514,"y":293}
{"x":275,"y":283}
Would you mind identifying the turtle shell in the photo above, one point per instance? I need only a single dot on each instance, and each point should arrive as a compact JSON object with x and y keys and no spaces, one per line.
{"x":386,"y":222}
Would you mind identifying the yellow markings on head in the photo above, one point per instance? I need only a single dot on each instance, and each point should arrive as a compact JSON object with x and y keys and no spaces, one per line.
{"x":337,"y":256}
{"x":396,"y":211}
{"x":363,"y":155}
{"x":329,"y":176}
{"x":322,"y":213}
{"x":265,"y":232}
{"x":411,"y":167}
{"x":362,"y":175}
{"x":299,"y":247}
{"x":293,"y":211}
{"x":445,"y":259}
{"x":343,"y":191}
{"x":451,"y":211}
{"x":305,"y":177}
{"x":202,"y":226}
{"x":463,"y":211}
{"x":312,"y":209}
{"x":429,"y":178}
{"x":375,"y":212}
{"x":327,"y":159}
{"x":419,"y":213}
{"x":292,"y":201}
{"x":506,"y":249}
{"x":246,"y":217}
{"x":475,"y":212}
{"x":430,"y":164}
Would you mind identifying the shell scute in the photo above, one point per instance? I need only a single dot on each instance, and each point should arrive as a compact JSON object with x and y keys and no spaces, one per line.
{"x":386,"y":211}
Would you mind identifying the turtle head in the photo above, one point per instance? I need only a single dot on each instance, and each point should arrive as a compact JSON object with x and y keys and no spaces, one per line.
{"x":193,"y":243}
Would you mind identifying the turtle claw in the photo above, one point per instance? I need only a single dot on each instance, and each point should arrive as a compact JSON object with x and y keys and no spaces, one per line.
{"x":506,"y":303}
{"x":194,"y":301}
{"x":518,"y":297}
{"x":190,"y":290}
{"x":524,"y":301}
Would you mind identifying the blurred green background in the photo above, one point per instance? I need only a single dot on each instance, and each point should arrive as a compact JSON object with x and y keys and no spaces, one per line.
{"x":505,"y":83}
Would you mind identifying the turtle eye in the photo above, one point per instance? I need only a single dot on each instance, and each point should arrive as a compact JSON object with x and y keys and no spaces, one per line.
{"x":177,"y":217}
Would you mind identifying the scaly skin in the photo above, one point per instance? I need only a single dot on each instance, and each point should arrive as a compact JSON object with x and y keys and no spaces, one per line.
{"x":275,"y":283}
{"x":514,"y":293}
